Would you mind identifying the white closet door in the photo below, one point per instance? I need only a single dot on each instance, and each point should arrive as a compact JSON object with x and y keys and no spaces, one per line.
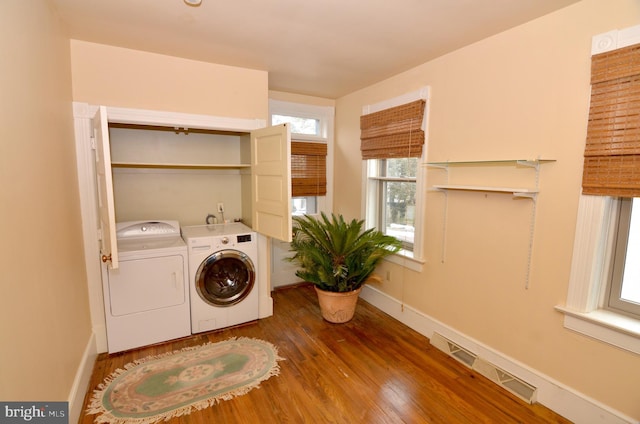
{"x":107,"y":214}
{"x":271,"y":181}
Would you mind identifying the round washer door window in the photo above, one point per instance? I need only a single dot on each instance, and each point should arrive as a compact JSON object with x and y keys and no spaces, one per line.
{"x":225,"y":278}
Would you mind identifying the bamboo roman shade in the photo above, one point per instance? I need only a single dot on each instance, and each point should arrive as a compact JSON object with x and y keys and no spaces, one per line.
{"x":393,"y":133}
{"x":308,"y":169}
{"x":612,"y":152}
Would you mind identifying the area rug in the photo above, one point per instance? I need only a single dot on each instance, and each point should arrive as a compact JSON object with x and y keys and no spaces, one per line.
{"x":158,"y":388}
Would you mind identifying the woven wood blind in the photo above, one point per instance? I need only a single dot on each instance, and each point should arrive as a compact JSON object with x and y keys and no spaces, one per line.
{"x":612,"y":152}
{"x":393,"y":133}
{"x":308,"y":169}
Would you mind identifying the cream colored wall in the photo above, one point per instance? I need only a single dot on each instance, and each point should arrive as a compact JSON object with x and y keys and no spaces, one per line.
{"x":521,"y":94}
{"x":114,"y":76}
{"x":44,"y":314}
{"x":301,"y":98}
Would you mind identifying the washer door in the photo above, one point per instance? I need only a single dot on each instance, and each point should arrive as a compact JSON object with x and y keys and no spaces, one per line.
{"x":225,"y":278}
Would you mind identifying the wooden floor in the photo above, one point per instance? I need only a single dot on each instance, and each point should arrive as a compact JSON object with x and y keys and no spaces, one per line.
{"x":371,"y":370}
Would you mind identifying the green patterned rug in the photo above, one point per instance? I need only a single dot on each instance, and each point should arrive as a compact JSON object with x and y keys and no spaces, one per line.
{"x":174,"y":384}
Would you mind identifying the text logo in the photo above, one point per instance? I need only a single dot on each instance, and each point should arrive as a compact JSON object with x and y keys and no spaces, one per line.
{"x":34,"y":412}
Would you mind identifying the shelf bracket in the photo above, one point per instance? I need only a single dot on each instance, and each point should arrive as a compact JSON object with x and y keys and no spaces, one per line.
{"x":535,"y":163}
{"x":437,"y":166}
{"x":531,"y":196}
{"x":446,"y":207}
{"x":532,"y":227}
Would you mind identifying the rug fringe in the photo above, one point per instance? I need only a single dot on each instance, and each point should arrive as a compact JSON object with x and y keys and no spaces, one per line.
{"x":108,"y":418}
{"x":96,"y":406}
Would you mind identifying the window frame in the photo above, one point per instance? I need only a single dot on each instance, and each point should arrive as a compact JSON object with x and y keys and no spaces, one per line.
{"x":593,"y":248}
{"x":377,"y":211}
{"x":371,"y":197}
{"x":613,"y":300}
{"x":325,"y":116}
{"x":590,"y":268}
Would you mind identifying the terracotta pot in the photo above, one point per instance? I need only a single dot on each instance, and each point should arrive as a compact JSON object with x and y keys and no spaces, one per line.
{"x":337,"y":307}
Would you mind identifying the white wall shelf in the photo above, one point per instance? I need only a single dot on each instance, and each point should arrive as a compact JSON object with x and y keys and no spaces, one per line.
{"x":518,"y":192}
{"x":514,"y":162}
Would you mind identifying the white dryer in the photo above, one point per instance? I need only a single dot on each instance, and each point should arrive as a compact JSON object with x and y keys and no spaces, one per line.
{"x":222,"y":275}
{"x":147,"y":297}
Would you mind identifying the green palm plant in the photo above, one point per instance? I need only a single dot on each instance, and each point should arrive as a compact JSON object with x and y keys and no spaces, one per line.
{"x":336,"y":255}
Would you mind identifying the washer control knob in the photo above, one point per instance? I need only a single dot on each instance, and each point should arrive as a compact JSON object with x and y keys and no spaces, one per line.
{"x":225,"y":240}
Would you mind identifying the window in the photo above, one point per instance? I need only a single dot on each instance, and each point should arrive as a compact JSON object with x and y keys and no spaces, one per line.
{"x":311,"y":153}
{"x":308,"y":175}
{"x":393,"y":182}
{"x":602,"y":226}
{"x":612,"y":164}
{"x":623,"y":291}
{"x":392,"y":139}
{"x":299,"y":124}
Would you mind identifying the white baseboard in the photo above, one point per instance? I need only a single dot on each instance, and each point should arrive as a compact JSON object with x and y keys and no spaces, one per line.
{"x":81,"y":381}
{"x":561,"y":399}
{"x":100,"y":338}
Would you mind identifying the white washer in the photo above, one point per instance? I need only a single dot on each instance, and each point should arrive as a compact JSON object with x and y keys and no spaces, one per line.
{"x":222,"y":275}
{"x":147,"y":297}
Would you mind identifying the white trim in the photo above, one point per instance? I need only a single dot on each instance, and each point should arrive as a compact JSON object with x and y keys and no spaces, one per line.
{"x":169,"y":119}
{"x":556,"y":396}
{"x":607,"y":326}
{"x":615,"y":39}
{"x":85,"y":160}
{"x":182,"y":120}
{"x":81,"y":381}
{"x":324,"y":113}
{"x":265,"y":302}
{"x":422,"y":93}
{"x":592,"y":246}
{"x":406,"y":261}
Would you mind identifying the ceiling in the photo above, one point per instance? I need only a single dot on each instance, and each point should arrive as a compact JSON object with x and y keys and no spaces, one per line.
{"x":325,"y":48}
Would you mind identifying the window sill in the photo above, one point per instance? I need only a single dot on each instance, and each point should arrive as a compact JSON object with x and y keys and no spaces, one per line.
{"x":406,"y":259}
{"x":618,"y":330}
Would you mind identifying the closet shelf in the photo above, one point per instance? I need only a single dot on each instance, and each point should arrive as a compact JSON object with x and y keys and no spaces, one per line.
{"x":177,"y":165}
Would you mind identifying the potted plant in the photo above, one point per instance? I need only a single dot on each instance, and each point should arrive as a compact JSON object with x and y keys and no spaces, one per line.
{"x":338,"y":257}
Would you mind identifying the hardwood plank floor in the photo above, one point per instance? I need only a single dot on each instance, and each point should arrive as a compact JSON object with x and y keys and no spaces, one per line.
{"x":372,"y":369}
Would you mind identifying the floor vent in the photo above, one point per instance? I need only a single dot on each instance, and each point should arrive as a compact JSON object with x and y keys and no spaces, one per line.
{"x":518,"y":387}
{"x":452,"y":349}
{"x":513,"y":384}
